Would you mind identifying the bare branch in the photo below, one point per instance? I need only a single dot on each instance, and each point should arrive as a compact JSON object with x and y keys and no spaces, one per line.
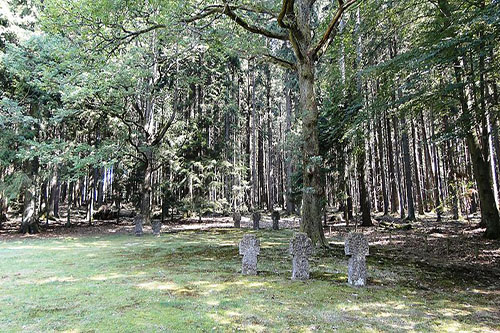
{"x":331,"y":27}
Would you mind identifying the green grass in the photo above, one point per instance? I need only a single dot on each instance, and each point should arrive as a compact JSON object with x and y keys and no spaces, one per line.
{"x":190,"y":281}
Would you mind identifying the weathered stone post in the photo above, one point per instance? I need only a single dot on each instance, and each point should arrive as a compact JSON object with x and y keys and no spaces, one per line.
{"x":276,"y":220}
{"x":300,"y":248}
{"x":256,"y":220}
{"x":237,"y":219}
{"x":156,"y":228}
{"x":249,"y":249}
{"x":138,"y":224}
{"x":356,"y":246}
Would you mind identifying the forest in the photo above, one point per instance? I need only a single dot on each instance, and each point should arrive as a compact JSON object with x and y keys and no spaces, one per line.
{"x":106,"y":104}
{"x":374,"y":115}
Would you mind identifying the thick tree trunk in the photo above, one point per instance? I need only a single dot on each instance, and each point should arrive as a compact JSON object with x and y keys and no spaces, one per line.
{"x":313,"y":189}
{"x":29,"y":223}
{"x":492,"y":158}
{"x":290,"y":207}
{"x":489,"y":212}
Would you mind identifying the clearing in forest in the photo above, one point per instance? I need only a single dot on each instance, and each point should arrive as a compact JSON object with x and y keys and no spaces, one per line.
{"x":190,"y":281}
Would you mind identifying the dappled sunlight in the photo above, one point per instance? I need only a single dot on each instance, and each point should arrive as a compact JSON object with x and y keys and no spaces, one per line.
{"x":485,"y":292}
{"x":448,"y":312}
{"x":156,"y":285}
{"x":57,"y":279}
{"x":169,"y":286}
{"x":112,"y":276}
{"x":34,"y":247}
{"x":198,"y":275}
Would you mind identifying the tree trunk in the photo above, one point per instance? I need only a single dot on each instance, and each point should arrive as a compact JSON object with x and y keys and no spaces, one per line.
{"x":489,"y":212}
{"x":392,"y":177}
{"x":253,"y":152}
{"x":290,"y":207}
{"x":428,"y":168}
{"x":381,"y":167}
{"x":313,"y":190}
{"x":3,"y":210}
{"x":416,"y":172}
{"x":53,"y":189}
{"x":262,"y":197}
{"x":146,"y":189}
{"x":248,"y":146}
{"x":407,"y":170}
{"x":364,"y":200}
{"x":29,"y":222}
{"x":270,"y":165}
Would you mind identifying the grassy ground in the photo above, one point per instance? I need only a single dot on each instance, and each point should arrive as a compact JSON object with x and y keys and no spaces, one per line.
{"x":190,"y":281}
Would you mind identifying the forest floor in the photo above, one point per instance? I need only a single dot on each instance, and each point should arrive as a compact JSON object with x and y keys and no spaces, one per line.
{"x":432,"y":277}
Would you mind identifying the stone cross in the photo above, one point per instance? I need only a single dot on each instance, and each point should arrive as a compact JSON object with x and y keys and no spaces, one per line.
{"x":249,"y":249}
{"x":256,"y":220}
{"x":276,"y":219}
{"x":138,"y":225}
{"x":300,"y":248}
{"x":156,"y":228}
{"x":356,"y":246}
{"x":237,"y":219}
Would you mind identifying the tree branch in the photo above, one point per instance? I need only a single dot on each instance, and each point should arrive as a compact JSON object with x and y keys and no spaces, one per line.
{"x":331,"y":27}
{"x":281,"y":62}
{"x":286,"y":9}
{"x":228,"y":11}
{"x":165,"y":128}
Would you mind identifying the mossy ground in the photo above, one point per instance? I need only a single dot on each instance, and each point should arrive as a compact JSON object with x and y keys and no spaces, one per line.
{"x":190,"y":281}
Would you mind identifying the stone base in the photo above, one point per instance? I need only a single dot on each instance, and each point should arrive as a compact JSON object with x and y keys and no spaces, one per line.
{"x":300,"y":268}
{"x":249,"y":267}
{"x":356,"y":271}
{"x":156,"y":228}
{"x":138,"y":226}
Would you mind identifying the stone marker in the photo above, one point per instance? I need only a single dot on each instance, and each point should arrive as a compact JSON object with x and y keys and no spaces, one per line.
{"x":356,"y":246}
{"x":276,"y":220}
{"x":138,"y":225}
{"x":249,"y":249}
{"x":156,"y":228}
{"x":300,"y":248}
{"x":237,"y":219}
{"x":256,"y":220}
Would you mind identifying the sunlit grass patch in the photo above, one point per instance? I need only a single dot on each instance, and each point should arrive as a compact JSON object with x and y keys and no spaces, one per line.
{"x":190,"y":281}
